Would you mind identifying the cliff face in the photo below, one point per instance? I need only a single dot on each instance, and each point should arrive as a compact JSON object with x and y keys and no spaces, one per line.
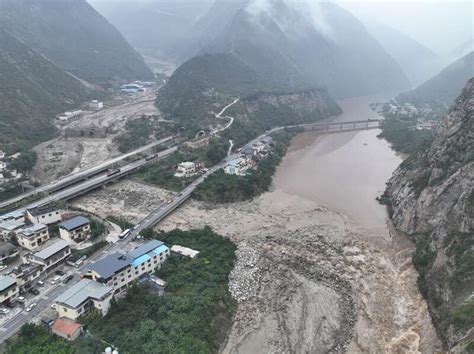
{"x":431,"y":197}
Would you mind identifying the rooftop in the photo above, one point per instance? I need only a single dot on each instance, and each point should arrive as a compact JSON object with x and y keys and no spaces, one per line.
{"x":111,"y":265}
{"x":80,"y":292}
{"x":52,"y":249}
{"x":6,"y":282}
{"x":32,"y":229}
{"x":74,"y":223}
{"x":144,"y":249}
{"x":11,"y":225}
{"x":42,"y":210}
{"x":187,"y":164}
{"x":66,"y":326}
{"x":6,"y":248}
{"x":185,"y":251}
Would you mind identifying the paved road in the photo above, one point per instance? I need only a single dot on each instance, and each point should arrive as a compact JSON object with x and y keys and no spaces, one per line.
{"x":83,"y":174}
{"x":92,"y":183}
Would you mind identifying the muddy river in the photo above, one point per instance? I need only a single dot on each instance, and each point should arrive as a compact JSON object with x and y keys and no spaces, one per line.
{"x":344,"y":172}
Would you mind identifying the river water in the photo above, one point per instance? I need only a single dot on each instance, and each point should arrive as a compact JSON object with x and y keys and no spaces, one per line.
{"x":343,"y":171}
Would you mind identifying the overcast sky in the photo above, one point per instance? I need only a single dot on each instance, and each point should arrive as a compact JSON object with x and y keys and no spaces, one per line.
{"x":440,"y":25}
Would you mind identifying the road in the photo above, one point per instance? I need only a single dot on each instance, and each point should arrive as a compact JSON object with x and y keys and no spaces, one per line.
{"x":92,"y":183}
{"x":75,"y":177}
{"x":231,"y":119}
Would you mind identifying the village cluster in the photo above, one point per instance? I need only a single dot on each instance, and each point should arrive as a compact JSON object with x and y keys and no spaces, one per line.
{"x":242,"y":165}
{"x":7,"y":172}
{"x":26,"y":235}
{"x":422,"y":117}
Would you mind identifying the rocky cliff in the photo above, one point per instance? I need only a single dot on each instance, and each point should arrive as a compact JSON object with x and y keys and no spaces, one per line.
{"x":431,"y":198}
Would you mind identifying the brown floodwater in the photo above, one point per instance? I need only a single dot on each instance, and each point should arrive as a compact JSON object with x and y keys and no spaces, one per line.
{"x":344,"y":171}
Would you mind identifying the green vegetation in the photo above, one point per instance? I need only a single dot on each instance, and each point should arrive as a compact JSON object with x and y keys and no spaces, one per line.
{"x":120,"y":221}
{"x":224,"y":188}
{"x":195,"y":313}
{"x":193,"y":316}
{"x":97,"y":229}
{"x":25,"y":162}
{"x":162,"y":173}
{"x":463,"y":316}
{"x":422,"y":260}
{"x":34,"y":339}
{"x":402,"y":137}
{"x":138,"y":134}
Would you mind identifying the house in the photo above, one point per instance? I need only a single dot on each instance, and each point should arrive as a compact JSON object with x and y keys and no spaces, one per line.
{"x":186,"y":169}
{"x":32,"y":236}
{"x":248,"y":151}
{"x":68,"y":115}
{"x":237,"y":167}
{"x":8,"y":289}
{"x":44,"y":215}
{"x":81,"y":298}
{"x":120,"y":270}
{"x":76,"y":229}
{"x":51,"y":255}
{"x":96,"y":105}
{"x":7,"y":251}
{"x":26,"y":275}
{"x":2,"y":155}
{"x":3,"y":166}
{"x":184,"y":251}
{"x":8,"y":228}
{"x":268,"y":140}
{"x":66,"y":328}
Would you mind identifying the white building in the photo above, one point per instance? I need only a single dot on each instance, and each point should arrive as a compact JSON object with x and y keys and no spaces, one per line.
{"x":70,"y":114}
{"x":76,"y":229}
{"x":119,"y":270}
{"x":32,"y":236}
{"x":184,"y":251}
{"x":44,"y":215}
{"x":8,"y":228}
{"x":83,"y":297}
{"x":96,"y":105}
{"x":185,"y":169}
{"x":237,"y":167}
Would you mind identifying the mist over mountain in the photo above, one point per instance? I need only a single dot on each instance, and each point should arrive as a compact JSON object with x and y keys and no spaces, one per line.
{"x":75,"y":37}
{"x":444,"y":86}
{"x":161,"y":28}
{"x":417,"y":61}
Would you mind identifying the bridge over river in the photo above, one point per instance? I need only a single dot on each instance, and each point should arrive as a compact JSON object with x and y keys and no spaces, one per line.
{"x":336,"y":127}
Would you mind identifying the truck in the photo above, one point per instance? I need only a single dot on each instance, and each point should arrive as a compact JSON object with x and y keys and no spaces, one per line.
{"x":113,"y":172}
{"x":124,"y":234}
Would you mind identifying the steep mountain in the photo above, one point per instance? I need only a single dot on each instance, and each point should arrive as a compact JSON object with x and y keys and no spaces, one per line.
{"x":160,"y":29}
{"x":302,"y":44}
{"x":75,"y":37}
{"x":32,"y":90}
{"x":417,"y":61}
{"x":431,"y":198}
{"x":443,"y":87}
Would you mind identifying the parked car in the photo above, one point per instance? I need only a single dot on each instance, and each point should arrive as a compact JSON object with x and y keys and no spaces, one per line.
{"x":41,"y":283}
{"x":31,"y":306}
{"x":68,"y":279}
{"x":2,"y":267}
{"x":55,"y":280}
{"x":53,"y":306}
{"x":34,"y":291}
{"x":59,"y":272}
{"x":4,"y":310}
{"x":21,"y":299}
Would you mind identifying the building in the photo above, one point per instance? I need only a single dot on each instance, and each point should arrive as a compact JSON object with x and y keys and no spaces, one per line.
{"x":3,"y":166}
{"x":120,"y":270}
{"x":51,"y":255}
{"x":7,"y":251}
{"x":237,"y":167}
{"x":8,"y":289}
{"x":32,"y":236}
{"x":45,"y":215}
{"x":68,"y":115}
{"x":185,"y":169}
{"x":67,"y":328}
{"x":8,"y":228}
{"x":248,"y":151}
{"x":81,"y":298}
{"x":184,"y":251}
{"x":96,"y":105}
{"x":26,"y":275}
{"x":76,"y":229}
{"x":2,"y":155}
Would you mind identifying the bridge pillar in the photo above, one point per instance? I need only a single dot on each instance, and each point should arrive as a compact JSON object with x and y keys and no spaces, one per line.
{"x":354,"y":125}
